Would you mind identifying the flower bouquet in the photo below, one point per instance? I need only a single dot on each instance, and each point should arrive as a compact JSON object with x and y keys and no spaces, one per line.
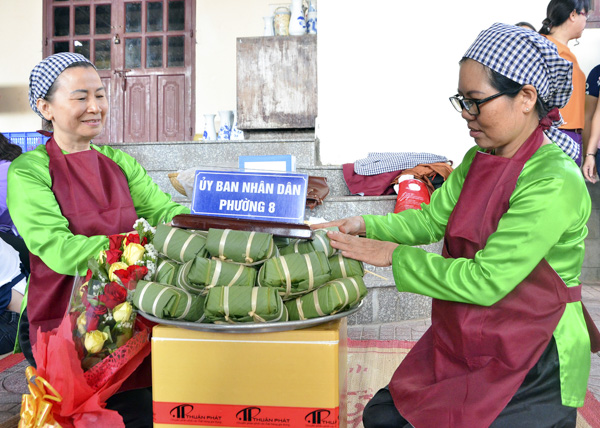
{"x":101,"y":306}
{"x":99,"y":343}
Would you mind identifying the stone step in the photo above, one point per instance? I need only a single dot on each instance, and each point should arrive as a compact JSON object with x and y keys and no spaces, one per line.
{"x":334,"y":175}
{"x":160,"y":159}
{"x":180,"y":155}
{"x":383,"y":303}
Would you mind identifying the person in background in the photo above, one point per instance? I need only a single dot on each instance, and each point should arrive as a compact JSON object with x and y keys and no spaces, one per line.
{"x":565,"y":21}
{"x":8,"y":231}
{"x":508,"y":344}
{"x":592,"y":125}
{"x":524,"y":24}
{"x":67,"y":196}
{"x":12,"y":287}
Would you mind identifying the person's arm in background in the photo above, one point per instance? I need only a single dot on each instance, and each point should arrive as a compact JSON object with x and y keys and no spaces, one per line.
{"x":590,"y":107}
{"x":591,"y":130}
{"x":3,"y":184}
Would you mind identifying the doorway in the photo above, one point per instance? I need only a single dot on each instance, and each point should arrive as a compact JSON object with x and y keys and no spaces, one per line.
{"x":144,"y":53}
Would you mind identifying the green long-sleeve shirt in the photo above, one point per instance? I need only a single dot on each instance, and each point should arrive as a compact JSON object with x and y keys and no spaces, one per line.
{"x":39,"y":220}
{"x":547,"y":218}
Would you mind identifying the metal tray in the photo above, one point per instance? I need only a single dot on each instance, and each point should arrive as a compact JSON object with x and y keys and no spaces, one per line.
{"x":252,"y":327}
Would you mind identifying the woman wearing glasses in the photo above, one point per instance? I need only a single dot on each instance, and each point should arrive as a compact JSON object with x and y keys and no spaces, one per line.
{"x":508,"y":344}
{"x":565,"y":21}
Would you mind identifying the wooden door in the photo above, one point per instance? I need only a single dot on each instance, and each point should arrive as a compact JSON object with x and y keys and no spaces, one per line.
{"x":144,"y":53}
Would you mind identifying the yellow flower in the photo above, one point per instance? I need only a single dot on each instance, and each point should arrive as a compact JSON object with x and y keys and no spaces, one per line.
{"x":94,"y":341}
{"x":115,"y":266}
{"x":133,"y":253}
{"x":122,"y":312}
{"x":81,"y":323}
{"x":102,"y":257}
{"x":83,"y":289}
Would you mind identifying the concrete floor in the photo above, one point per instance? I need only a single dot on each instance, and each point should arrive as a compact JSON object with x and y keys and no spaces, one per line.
{"x":13,"y":385}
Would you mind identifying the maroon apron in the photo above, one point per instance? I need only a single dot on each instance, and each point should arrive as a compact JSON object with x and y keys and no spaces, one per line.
{"x":93,"y":195}
{"x":471,"y":361}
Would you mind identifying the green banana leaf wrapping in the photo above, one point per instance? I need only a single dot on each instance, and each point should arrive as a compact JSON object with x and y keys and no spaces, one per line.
{"x":240,"y":246}
{"x":168,"y":302}
{"x":295,"y":274}
{"x":320,"y":242}
{"x":336,"y":296}
{"x":199,"y":275}
{"x":343,"y":267}
{"x":281,"y":241}
{"x":179,"y":244}
{"x":244,"y":304}
{"x":166,"y":271}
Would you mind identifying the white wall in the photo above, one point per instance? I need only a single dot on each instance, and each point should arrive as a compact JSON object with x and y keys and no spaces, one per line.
{"x":218,"y":24}
{"x":21,"y":47}
{"x":386,"y":71}
{"x":386,"y":67}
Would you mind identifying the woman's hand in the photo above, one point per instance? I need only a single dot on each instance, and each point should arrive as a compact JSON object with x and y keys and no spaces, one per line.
{"x":351,"y":225}
{"x":589,"y":169}
{"x":371,"y":251}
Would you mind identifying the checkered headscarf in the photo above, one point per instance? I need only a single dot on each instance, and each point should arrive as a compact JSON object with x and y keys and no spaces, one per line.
{"x":528,"y":58}
{"x":45,"y":74}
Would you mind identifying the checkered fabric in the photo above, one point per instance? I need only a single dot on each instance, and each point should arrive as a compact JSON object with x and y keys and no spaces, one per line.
{"x":528,"y":58}
{"x":46,"y":72}
{"x":379,"y":163}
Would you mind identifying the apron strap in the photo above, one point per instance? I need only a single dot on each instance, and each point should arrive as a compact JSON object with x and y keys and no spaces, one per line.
{"x":574,"y":294}
{"x":592,"y":330}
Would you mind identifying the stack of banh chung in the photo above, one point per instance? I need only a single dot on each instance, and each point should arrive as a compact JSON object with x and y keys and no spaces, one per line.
{"x":232,"y":276}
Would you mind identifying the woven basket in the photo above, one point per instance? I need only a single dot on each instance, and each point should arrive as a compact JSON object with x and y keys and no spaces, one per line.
{"x":176,"y":184}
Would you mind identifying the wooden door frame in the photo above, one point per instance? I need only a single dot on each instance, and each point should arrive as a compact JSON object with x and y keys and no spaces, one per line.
{"x":117,"y":9}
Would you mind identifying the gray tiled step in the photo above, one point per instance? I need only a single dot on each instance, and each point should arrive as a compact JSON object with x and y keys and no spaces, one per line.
{"x":384,"y":303}
{"x":334,"y":175}
{"x":180,"y":155}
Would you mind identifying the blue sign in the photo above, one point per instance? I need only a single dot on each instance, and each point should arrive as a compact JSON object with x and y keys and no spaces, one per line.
{"x":258,"y":196}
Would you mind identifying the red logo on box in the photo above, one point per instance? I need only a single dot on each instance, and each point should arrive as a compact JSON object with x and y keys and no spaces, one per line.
{"x":244,"y":416}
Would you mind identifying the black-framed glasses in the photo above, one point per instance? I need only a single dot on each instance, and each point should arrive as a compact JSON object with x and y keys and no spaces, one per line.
{"x":586,"y":14}
{"x":461,"y":103}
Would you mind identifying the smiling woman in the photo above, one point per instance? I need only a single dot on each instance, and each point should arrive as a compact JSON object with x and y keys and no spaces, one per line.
{"x":67,"y":196}
{"x":75,"y":107}
{"x":508,"y":344}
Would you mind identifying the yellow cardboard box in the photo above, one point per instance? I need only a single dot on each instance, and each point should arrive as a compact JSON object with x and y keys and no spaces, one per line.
{"x":293,"y":378}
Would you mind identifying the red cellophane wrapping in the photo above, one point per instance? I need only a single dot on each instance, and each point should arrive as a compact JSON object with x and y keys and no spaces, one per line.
{"x":84,"y":395}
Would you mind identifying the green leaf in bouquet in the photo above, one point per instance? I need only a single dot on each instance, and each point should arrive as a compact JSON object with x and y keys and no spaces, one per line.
{"x":108,"y":331}
{"x":240,"y":246}
{"x":94,"y":289}
{"x":344,"y":267}
{"x":144,"y":229}
{"x":336,"y":296}
{"x":244,"y":304}
{"x":295,"y":274}
{"x":179,"y":244}
{"x":99,"y":270}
